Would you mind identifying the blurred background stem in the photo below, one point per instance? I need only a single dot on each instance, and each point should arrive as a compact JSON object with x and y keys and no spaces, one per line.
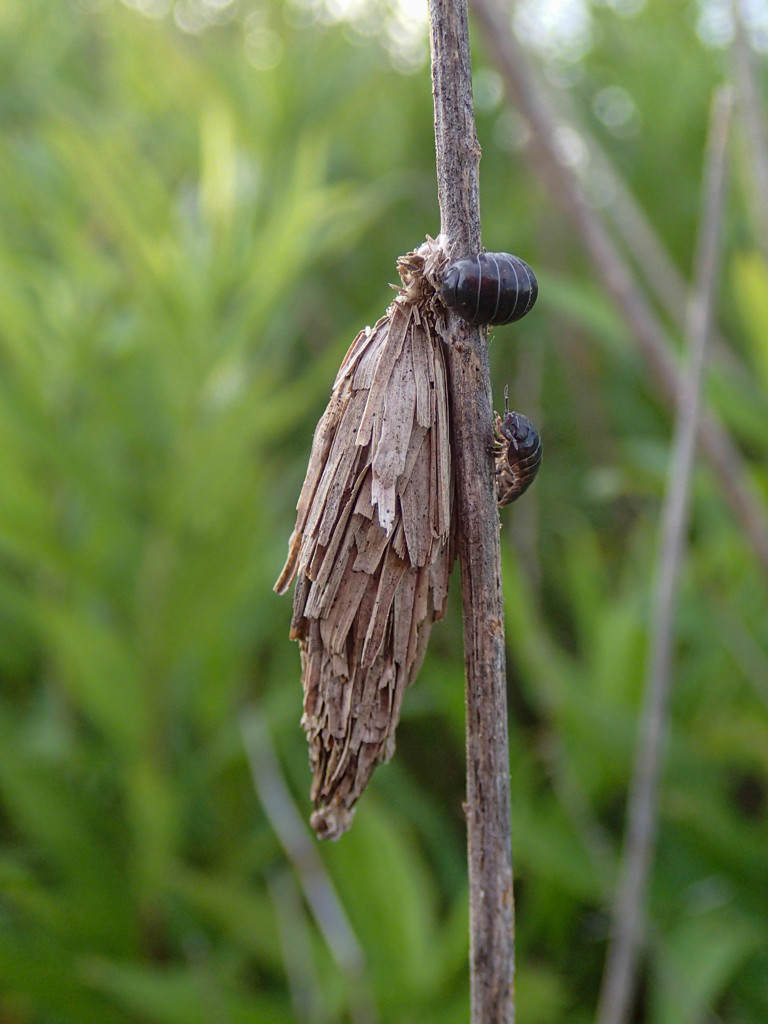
{"x":615,"y":273}
{"x":629,"y":919}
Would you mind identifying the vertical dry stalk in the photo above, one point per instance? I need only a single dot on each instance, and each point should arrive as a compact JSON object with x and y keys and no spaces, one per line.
{"x":629,"y":914}
{"x":488,"y":805}
{"x":725,"y":459}
{"x":754,"y":126}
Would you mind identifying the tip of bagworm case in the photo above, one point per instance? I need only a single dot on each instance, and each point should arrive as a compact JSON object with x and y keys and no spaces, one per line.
{"x":331,"y":822}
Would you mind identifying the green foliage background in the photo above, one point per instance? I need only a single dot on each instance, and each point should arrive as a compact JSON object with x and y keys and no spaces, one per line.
{"x":193,"y":228}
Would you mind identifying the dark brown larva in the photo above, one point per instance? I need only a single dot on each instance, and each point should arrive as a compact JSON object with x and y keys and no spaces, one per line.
{"x":518,"y":454}
{"x":489,"y":288}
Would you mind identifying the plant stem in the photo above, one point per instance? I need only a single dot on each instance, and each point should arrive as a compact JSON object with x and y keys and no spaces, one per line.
{"x":616,"y":275}
{"x":488,"y":803}
{"x":630,"y":909}
{"x":752,"y":112}
{"x":301,"y":850}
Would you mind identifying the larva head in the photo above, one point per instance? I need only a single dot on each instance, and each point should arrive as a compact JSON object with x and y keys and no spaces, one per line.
{"x":520,"y":432}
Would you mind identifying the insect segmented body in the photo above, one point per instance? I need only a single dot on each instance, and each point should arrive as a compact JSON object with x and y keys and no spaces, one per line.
{"x":489,"y":288}
{"x":518,"y":454}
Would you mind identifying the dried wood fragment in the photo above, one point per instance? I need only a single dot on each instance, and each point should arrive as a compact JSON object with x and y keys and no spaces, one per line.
{"x":373,"y":545}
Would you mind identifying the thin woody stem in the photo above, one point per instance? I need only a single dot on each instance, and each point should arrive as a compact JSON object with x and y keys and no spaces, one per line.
{"x":629,"y":912}
{"x":488,"y":802}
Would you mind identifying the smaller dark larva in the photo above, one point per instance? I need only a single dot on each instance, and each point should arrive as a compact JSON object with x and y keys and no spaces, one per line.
{"x":517,"y":448}
{"x":490,"y":288}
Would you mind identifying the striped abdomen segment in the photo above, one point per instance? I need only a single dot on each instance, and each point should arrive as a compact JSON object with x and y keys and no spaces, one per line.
{"x":490,"y":288}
